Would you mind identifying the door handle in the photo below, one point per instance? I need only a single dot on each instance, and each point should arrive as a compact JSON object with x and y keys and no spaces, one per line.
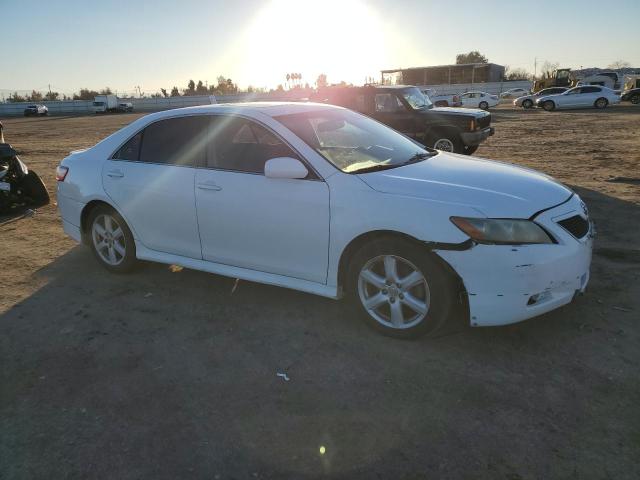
{"x":115,"y":173}
{"x":209,"y":186}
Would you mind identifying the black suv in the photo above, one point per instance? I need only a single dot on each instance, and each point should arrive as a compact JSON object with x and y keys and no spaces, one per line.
{"x":407,"y":110}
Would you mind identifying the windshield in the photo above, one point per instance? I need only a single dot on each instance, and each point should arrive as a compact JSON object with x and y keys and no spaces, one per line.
{"x":416,"y":99}
{"x":352,"y":142}
{"x":98,"y":104}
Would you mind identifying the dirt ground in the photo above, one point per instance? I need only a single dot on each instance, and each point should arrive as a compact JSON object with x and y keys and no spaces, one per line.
{"x":166,"y":374}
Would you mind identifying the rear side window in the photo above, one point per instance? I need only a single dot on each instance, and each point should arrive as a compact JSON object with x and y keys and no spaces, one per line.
{"x":241,"y":145}
{"x":590,"y":89}
{"x":131,"y":149}
{"x":176,"y":141}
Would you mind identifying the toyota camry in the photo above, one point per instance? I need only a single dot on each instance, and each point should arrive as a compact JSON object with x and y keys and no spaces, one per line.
{"x":324,"y":200}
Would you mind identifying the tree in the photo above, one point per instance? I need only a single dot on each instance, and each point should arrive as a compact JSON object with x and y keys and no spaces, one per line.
{"x":16,"y":98}
{"x":175,"y":92}
{"x":201,"y":89}
{"x":618,"y":64}
{"x":52,"y":96}
{"x":34,"y":97}
{"x":472,"y":57}
{"x":106,"y":91}
{"x":516,"y":74}
{"x":191,"y":88}
{"x":156,"y":95}
{"x":164,"y":92}
{"x":85,"y":94}
{"x":548,"y":69}
{"x":321,"y":81}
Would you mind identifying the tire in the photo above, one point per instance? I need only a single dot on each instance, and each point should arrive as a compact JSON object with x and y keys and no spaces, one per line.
{"x":446,"y":141}
{"x":35,"y":189}
{"x":431,"y":295}
{"x":470,"y":149}
{"x":601,"y":103}
{"x":549,"y":105}
{"x":483,"y":105}
{"x":106,"y":227}
{"x":635,"y":99}
{"x":527,"y":104}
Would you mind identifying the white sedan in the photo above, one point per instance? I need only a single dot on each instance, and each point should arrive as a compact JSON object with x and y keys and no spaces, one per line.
{"x":515,"y":93}
{"x":324,"y":200}
{"x":481,"y":100}
{"x":588,"y":96}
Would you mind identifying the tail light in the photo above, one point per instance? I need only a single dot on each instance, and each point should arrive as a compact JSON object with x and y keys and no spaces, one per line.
{"x":61,"y":173}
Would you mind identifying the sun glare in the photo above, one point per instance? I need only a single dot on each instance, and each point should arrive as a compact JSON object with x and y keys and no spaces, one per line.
{"x":346,"y":40}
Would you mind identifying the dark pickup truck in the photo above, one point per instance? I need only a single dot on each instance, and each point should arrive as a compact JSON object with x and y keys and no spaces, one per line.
{"x":407,"y":110}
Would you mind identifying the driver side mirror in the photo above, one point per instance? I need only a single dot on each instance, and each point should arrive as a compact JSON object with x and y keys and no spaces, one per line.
{"x":285,"y":167}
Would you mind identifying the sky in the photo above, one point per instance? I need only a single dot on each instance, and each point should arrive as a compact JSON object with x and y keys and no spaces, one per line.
{"x":71,"y":44}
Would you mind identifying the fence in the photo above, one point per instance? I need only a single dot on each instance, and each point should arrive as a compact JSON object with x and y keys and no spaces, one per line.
{"x":495,"y":88}
{"x":85,"y":107}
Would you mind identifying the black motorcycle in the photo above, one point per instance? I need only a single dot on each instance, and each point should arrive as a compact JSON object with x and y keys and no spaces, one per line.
{"x":19,"y":186}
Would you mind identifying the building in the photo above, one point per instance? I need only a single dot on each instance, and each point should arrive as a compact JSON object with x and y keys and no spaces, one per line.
{"x":445,"y":74}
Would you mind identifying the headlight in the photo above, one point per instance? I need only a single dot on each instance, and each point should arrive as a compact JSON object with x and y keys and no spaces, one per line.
{"x":502,"y":231}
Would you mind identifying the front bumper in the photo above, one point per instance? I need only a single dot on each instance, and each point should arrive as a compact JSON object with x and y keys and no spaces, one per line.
{"x":509,"y":283}
{"x":475,"y":138}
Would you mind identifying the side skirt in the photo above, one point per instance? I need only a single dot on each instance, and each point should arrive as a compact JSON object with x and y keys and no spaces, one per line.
{"x":143,"y":253}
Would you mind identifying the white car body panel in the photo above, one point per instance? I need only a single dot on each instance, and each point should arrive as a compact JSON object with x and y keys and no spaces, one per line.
{"x":474,"y":99}
{"x":293,"y":232}
{"x":571,"y":99}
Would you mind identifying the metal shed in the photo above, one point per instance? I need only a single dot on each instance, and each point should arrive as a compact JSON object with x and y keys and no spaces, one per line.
{"x":444,"y":74}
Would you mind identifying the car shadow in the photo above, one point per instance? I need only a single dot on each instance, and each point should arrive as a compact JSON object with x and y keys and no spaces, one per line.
{"x":167,"y":372}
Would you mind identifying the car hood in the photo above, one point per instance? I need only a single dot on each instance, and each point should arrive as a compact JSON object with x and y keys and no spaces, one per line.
{"x":496,"y":189}
{"x":467,"y":112}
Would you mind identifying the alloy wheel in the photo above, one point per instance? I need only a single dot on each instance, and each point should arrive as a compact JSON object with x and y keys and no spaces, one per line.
{"x":394,"y":292}
{"x":444,"y":144}
{"x":108,"y":239}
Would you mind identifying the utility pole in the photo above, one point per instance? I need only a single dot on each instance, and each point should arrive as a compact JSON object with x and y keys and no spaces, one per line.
{"x":535,"y":67}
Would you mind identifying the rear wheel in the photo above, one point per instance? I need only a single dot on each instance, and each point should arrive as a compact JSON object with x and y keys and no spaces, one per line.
{"x":399,"y":289}
{"x":601,"y":103}
{"x":527,"y":104}
{"x":484,"y":105}
{"x":111,"y":240}
{"x":549,"y":105}
{"x":635,"y":99}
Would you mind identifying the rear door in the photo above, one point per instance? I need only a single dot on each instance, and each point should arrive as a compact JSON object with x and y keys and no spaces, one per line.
{"x":588,"y":96}
{"x":151,"y":181}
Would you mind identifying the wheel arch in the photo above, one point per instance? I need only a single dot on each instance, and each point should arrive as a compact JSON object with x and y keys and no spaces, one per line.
{"x":361,"y":240}
{"x":86,"y":213}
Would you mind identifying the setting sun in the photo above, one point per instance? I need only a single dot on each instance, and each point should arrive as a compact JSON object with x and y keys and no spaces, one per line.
{"x":345,"y":40}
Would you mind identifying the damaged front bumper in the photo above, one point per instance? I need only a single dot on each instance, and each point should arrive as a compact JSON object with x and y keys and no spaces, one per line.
{"x":509,"y":283}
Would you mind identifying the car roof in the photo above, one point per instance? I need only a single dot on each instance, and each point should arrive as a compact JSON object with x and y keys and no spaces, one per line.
{"x":272,"y":109}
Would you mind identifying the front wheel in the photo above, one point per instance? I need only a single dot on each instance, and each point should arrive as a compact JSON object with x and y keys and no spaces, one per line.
{"x":527,"y":104}
{"x":601,"y":103}
{"x":399,"y":289}
{"x":446,"y":140}
{"x":111,"y":240}
{"x":484,"y":106}
{"x":549,"y":106}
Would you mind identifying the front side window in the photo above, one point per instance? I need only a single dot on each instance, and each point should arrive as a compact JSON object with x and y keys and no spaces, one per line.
{"x":353,"y":143}
{"x":387,"y":103}
{"x":241,"y":145}
{"x":176,"y":141}
{"x":573,"y":91}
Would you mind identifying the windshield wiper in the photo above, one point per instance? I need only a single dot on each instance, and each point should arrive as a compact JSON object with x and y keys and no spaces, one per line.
{"x":418,"y":157}
{"x":376,"y":168}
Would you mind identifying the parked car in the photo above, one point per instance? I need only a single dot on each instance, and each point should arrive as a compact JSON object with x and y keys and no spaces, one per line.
{"x":442,"y":100}
{"x":515,"y":93}
{"x":125,"y":107}
{"x":407,"y":110}
{"x":580,"y":97}
{"x":632,"y":96}
{"x":480,"y":100}
{"x":324,"y":200}
{"x":528,"y":101}
{"x":36,"y":109}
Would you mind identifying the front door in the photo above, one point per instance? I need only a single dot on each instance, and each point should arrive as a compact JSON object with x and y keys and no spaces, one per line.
{"x":247,"y":220}
{"x":390,"y":110}
{"x":151,"y":181}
